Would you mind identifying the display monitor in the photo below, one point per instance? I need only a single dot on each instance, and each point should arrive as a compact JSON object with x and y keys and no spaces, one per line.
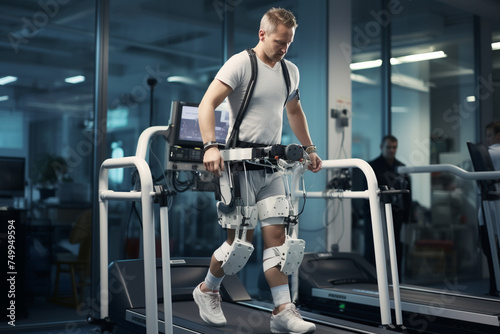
{"x":12,"y":177}
{"x":184,"y":118}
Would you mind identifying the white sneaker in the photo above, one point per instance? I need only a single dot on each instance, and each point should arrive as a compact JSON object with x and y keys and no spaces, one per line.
{"x":209,"y":305}
{"x":290,"y":321}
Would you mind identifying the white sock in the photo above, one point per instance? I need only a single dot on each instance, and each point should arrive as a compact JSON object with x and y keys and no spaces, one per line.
{"x":212,"y":282}
{"x":281,"y":295}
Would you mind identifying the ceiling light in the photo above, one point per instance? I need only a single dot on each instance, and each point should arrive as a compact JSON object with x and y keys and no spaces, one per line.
{"x":7,"y":79}
{"x":495,"y":46}
{"x":418,"y":57}
{"x":366,"y":64}
{"x":4,"y":98}
{"x":471,"y":98}
{"x":75,"y":79}
{"x":396,"y":109}
{"x":399,"y":60}
{"x":181,"y":79}
{"x":362,"y":79}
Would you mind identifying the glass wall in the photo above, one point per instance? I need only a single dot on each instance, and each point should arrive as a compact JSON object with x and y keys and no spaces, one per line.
{"x":367,"y":114}
{"x":160,"y":51}
{"x":433,"y":85}
{"x":46,"y":111}
{"x":496,"y":70}
{"x":433,"y":114}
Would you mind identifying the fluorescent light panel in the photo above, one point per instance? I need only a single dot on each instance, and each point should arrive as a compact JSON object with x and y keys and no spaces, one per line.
{"x":366,"y":64}
{"x":7,"y":79}
{"x":75,"y":79}
{"x":495,"y":46}
{"x":4,"y":98}
{"x":418,"y":57}
{"x":181,"y":79}
{"x":399,"y":60}
{"x":471,"y":98}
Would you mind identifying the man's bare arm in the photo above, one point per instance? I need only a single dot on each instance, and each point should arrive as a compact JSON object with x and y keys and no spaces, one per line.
{"x":214,"y":96}
{"x":298,"y":124}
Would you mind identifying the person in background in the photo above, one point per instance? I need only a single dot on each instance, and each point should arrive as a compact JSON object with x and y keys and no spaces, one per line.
{"x":385,"y":168}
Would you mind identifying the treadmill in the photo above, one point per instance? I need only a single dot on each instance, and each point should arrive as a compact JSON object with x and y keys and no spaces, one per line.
{"x":136,"y":298}
{"x":344,"y":285}
{"x":128,"y":313}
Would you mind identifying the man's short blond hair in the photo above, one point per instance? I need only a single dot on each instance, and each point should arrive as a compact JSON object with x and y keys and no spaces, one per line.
{"x":275,"y":16}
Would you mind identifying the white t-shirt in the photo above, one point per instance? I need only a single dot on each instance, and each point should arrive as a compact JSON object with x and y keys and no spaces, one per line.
{"x":263,"y":120}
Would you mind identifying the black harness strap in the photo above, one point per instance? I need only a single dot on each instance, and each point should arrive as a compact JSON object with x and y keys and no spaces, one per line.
{"x":286,"y":75}
{"x":233,"y":138}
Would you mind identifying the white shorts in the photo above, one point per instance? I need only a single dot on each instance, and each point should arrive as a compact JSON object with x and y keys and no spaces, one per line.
{"x":257,"y":185}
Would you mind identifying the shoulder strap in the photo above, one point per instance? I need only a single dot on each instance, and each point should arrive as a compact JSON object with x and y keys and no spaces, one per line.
{"x":233,"y":138}
{"x":286,"y":75}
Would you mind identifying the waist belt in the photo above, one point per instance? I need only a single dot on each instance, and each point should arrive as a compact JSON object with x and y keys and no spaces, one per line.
{"x":238,"y":166}
{"x":245,"y":144}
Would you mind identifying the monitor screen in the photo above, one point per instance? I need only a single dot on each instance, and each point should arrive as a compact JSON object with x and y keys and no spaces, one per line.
{"x":187,"y":130}
{"x":12,"y":179}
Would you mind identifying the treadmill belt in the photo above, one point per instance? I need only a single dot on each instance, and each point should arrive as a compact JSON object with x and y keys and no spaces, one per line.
{"x":240,"y":319}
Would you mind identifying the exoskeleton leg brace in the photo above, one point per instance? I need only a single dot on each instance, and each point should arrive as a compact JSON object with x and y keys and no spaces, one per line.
{"x":288,"y":256}
{"x":241,"y":218}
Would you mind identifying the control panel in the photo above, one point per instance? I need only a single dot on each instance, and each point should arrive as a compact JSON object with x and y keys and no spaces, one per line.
{"x":186,"y":154}
{"x":185,"y":158}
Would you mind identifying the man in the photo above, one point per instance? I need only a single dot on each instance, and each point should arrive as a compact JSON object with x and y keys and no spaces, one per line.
{"x":261,"y":124}
{"x":385,"y":170}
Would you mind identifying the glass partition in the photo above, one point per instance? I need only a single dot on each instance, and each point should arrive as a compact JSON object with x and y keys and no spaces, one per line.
{"x":434,"y":115}
{"x":367,"y":113}
{"x":160,"y":51}
{"x":47,"y":110}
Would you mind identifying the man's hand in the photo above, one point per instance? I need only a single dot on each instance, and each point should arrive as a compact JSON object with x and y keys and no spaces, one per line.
{"x":315,"y":165}
{"x":213,"y":162}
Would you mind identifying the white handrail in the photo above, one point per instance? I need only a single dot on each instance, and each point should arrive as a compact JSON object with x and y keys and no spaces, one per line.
{"x":145,"y":139}
{"x":148,"y":233}
{"x":447,"y":168}
{"x":146,"y":196}
{"x":372,"y":194}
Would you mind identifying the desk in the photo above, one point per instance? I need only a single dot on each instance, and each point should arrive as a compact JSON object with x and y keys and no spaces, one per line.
{"x":434,"y":249}
{"x":50,"y":225}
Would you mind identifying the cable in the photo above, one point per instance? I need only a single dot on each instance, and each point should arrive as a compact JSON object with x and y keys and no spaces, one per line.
{"x":248,"y":196}
{"x":341,"y":147}
{"x":159,"y":164}
{"x":178,"y":184}
{"x":324,"y":226}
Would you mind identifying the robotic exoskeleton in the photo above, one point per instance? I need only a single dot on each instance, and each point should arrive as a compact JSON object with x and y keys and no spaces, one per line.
{"x":234,"y":213}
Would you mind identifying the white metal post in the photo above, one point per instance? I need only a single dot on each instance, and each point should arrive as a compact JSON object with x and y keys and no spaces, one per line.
{"x":372,"y":195}
{"x":394,"y":264}
{"x":165,"y":257}
{"x":146,"y":197}
{"x":103,"y":244}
